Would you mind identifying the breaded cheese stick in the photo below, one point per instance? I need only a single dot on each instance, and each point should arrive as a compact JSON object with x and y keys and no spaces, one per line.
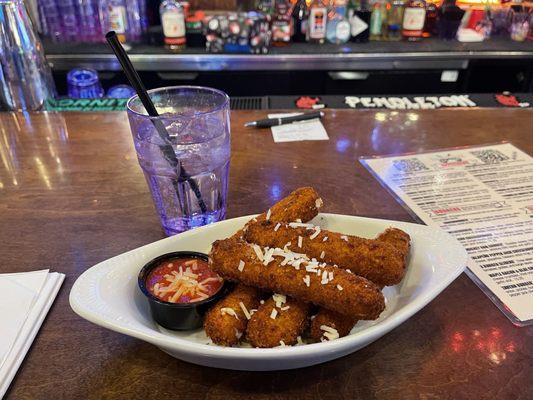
{"x":303,"y":204}
{"x":374,"y":260}
{"x":329,"y":325}
{"x":295,"y":275}
{"x":226,"y":321}
{"x":397,"y":238}
{"x":279,"y":321}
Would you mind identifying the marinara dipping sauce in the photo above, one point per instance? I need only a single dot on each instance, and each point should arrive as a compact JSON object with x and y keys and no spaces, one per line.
{"x":183,"y":280}
{"x":180,"y":288}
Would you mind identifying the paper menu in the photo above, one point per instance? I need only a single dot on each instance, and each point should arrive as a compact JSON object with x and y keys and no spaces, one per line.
{"x":483,"y":196}
{"x":298,"y":131}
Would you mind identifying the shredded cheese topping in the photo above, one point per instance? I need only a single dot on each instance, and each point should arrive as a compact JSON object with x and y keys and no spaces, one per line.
{"x":324,"y":278}
{"x":245,"y":311}
{"x":274,"y":313}
{"x":316,"y":233}
{"x":279,"y":299}
{"x":267,"y":257}
{"x":297,"y":261}
{"x":268,"y":214}
{"x":258,"y":252}
{"x":184,"y":283}
{"x":329,"y":332}
{"x":241,"y":266}
{"x":300,"y":242}
{"x":277,"y":227}
{"x":339,"y":287}
{"x":301,"y":225}
{"x":228,"y":311}
{"x":319,"y":203}
{"x":322,"y":254}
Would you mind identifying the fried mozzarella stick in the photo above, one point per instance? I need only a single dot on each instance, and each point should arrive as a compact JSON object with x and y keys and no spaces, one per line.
{"x":225,"y":329}
{"x":397,"y":238}
{"x":304,"y":204}
{"x":282,"y":271}
{"x":226,"y":321}
{"x":329,"y":325}
{"x":375,"y":260}
{"x":279,"y":321}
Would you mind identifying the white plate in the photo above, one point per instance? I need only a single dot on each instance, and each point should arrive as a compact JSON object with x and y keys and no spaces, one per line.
{"x":107,"y":295}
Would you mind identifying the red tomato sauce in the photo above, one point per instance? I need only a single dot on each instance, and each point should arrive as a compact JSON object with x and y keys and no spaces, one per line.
{"x":183,"y":280}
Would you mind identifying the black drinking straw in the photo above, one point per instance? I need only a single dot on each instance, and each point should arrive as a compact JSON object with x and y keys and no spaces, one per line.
{"x":168,"y":151}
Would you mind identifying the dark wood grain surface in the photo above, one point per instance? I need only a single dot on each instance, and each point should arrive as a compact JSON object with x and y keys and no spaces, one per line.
{"x":72,"y":195}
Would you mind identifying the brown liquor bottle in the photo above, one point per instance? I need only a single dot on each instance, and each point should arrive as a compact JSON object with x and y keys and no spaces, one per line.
{"x":414,"y":16}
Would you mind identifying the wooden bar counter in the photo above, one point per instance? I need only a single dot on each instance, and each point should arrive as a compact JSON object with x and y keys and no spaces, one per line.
{"x":72,"y":195}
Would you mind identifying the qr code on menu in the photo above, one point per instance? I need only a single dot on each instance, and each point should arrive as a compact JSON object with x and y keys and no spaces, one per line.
{"x":409,"y":165}
{"x":490,"y":156}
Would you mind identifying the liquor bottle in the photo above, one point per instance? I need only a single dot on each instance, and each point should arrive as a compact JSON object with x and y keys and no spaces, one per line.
{"x":143,"y":8}
{"x":430,"y":26}
{"x":282,"y":23}
{"x":52,"y":18}
{"x":484,"y":25}
{"x":194,"y":29}
{"x":134,"y":31}
{"x":338,"y":27}
{"x":377,"y":19}
{"x":265,"y":6}
{"x":414,"y":16}
{"x":318,"y":18}
{"x":449,"y":19}
{"x":89,"y":28}
{"x":394,"y":20}
{"x":359,"y":17}
{"x":69,"y":19}
{"x":118,"y":18}
{"x":173,"y":22}
{"x":300,"y":16}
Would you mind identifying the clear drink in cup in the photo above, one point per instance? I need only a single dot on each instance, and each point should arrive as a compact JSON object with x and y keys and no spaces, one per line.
{"x":186,"y":171}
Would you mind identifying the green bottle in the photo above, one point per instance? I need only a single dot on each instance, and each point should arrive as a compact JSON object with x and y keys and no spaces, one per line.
{"x":376,"y":21}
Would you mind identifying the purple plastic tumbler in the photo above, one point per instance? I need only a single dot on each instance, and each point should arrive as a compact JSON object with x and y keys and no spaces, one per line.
{"x":198,"y":126}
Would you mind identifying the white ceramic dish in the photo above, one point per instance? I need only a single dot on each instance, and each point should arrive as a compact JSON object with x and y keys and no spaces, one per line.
{"x":107,"y":295}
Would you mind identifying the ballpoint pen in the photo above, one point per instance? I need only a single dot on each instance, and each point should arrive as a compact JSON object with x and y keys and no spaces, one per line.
{"x":269,"y":122}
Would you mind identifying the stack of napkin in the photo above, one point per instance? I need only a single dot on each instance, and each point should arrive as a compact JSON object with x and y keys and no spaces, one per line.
{"x":25,"y":299}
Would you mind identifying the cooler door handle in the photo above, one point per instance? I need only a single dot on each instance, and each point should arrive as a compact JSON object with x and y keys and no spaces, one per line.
{"x":348,"y":75}
{"x":178,"y":76}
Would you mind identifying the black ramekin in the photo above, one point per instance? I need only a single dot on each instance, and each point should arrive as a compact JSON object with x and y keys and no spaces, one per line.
{"x":177,"y":316}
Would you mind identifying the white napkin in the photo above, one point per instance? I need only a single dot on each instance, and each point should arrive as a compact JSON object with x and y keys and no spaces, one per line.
{"x":25,"y":299}
{"x":311,"y":129}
